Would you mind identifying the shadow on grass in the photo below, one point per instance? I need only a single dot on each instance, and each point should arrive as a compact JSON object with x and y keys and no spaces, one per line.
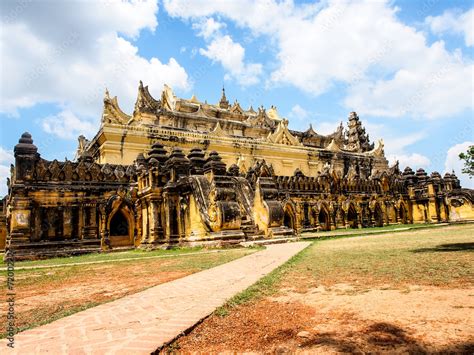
{"x":386,"y":338}
{"x":447,"y":247}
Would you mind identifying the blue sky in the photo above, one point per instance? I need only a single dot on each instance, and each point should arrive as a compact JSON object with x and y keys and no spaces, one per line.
{"x":406,"y":67}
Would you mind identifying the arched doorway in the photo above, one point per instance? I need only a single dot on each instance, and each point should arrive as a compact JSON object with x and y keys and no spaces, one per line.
{"x":174,"y":223}
{"x":352,"y":219}
{"x":323,"y":219}
{"x":119,"y":230}
{"x":288,"y":220}
{"x":378,"y":216}
{"x":289,"y":217}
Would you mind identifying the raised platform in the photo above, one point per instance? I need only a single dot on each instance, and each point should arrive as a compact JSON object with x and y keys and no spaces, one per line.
{"x":52,"y":249}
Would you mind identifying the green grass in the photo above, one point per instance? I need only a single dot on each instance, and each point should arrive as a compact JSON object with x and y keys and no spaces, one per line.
{"x":365,"y":231}
{"x":136,"y":253}
{"x":411,"y":257}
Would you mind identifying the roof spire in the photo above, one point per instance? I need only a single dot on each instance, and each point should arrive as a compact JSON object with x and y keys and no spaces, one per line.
{"x":223,"y":103}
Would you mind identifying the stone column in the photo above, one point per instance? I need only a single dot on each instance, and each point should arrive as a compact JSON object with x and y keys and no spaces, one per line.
{"x":67,"y":225}
{"x":332,"y":217}
{"x":156,"y":232}
{"x":80,"y":222}
{"x":20,"y":231}
{"x":388,"y":213}
{"x":442,"y":212}
{"x":36,"y":235}
{"x":59,"y":222}
{"x":51,"y":216}
{"x":359,"y":218}
{"x":339,"y":216}
{"x":316,"y":220}
{"x":104,"y":232}
{"x":346,"y":218}
{"x":145,"y":228}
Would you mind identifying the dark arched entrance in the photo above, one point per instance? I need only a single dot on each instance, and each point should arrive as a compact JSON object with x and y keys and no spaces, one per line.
{"x":378,"y":216}
{"x":288,"y":219}
{"x":352,"y":217}
{"x":119,"y":230}
{"x":323,"y":220}
{"x":174,"y":225}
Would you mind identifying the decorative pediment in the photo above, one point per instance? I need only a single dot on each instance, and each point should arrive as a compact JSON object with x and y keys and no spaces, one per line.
{"x":218,"y":131}
{"x":310,"y":132}
{"x":273,"y":114}
{"x":338,"y":135}
{"x":194,"y":99}
{"x":112,"y":112}
{"x":378,"y":150}
{"x":251,"y":110}
{"x":333,"y":146}
{"x":145,"y":102}
{"x":168,"y":98}
{"x":236,"y":108}
{"x":261,"y":119}
{"x":282,"y":135}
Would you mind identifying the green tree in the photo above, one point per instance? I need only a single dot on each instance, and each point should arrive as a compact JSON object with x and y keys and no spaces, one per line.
{"x":468,"y":158}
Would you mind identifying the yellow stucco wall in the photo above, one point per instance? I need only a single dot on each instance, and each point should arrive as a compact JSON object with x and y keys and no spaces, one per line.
{"x":120,"y":144}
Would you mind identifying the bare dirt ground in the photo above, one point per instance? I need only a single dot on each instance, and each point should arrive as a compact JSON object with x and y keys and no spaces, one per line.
{"x":366,"y":295}
{"x":325,"y":321}
{"x":43,"y":295}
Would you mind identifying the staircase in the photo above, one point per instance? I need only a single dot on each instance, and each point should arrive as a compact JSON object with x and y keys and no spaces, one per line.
{"x":250,"y":230}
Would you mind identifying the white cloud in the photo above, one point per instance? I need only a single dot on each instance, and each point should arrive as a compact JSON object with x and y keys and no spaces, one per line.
{"x":6,"y":158}
{"x":298,"y":113}
{"x":396,"y":146}
{"x":454,"y":21}
{"x":231,"y":55}
{"x":68,"y":52}
{"x":454,"y":163}
{"x":224,"y":50}
{"x":208,"y":28}
{"x":66,"y":125}
{"x":413,"y":160}
{"x":388,"y":67}
{"x":325,"y":127}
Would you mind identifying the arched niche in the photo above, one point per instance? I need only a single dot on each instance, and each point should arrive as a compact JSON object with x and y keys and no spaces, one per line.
{"x":352,"y":217}
{"x":121,"y":226}
{"x":289,"y":216}
{"x":324,"y":219}
{"x":378,"y":216}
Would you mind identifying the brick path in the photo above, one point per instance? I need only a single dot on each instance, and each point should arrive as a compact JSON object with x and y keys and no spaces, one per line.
{"x":142,"y":322}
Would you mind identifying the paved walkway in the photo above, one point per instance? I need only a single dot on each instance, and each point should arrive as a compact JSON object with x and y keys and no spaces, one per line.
{"x":142,"y":322}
